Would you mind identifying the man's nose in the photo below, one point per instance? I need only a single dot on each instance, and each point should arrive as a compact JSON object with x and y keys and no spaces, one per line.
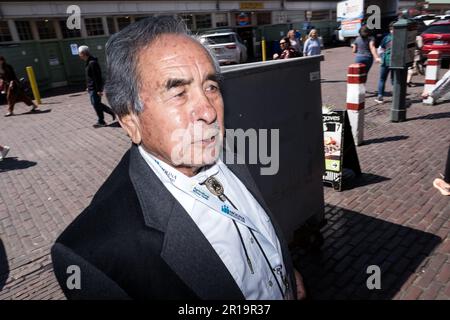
{"x":203,"y":109}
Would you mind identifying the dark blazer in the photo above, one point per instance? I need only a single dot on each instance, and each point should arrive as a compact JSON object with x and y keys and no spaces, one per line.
{"x":136,"y":241}
{"x":94,"y":80}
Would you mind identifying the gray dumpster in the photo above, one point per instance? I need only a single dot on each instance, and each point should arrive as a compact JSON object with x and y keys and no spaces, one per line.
{"x":284,"y":95}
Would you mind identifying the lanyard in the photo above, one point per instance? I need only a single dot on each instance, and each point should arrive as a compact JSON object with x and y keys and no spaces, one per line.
{"x":199,"y":192}
{"x":217,"y":204}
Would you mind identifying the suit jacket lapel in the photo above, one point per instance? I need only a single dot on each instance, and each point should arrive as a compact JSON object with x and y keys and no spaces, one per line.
{"x":185,"y":249}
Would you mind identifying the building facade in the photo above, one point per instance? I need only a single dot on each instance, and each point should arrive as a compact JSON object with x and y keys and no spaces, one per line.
{"x":37,"y":34}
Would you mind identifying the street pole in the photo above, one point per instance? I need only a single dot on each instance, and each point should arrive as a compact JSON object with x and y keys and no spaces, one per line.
{"x":263,"y":48}
{"x":402,"y":56}
{"x":33,"y":83}
{"x":398,"y":111}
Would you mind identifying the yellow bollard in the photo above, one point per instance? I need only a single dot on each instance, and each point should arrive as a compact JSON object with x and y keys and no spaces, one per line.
{"x":263,"y":48}
{"x":33,"y":84}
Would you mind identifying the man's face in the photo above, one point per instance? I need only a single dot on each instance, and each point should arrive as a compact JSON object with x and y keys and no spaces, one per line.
{"x":82,"y":56}
{"x":182,"y":120}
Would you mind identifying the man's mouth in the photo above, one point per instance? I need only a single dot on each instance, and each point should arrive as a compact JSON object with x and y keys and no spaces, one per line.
{"x":206,"y":142}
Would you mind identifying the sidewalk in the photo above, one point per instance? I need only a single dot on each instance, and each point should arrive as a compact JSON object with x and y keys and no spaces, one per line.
{"x":392,"y":217}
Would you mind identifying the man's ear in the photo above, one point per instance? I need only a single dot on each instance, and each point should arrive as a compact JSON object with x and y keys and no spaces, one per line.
{"x":130,"y":123}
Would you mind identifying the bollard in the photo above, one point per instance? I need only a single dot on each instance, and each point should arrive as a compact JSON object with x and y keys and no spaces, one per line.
{"x":356,"y":91}
{"x":33,"y":84}
{"x":263,"y":49}
{"x":431,"y":74}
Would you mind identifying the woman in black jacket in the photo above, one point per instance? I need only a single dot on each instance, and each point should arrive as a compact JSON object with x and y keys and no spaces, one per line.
{"x":11,"y":86}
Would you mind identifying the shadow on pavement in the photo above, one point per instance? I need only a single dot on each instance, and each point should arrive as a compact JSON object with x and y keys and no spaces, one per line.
{"x":33,"y":112}
{"x":354,"y":241}
{"x":64,"y":90}
{"x":331,"y":81}
{"x":4,"y":267}
{"x":114,"y":124}
{"x":432,"y":116}
{"x":364,"y":179}
{"x":385,"y":139}
{"x":12,"y":163}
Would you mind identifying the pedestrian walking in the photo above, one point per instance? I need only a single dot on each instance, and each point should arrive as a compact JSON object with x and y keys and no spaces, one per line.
{"x":441,"y":88}
{"x":312,"y":44}
{"x":386,"y":46}
{"x":364,"y":48}
{"x":296,"y":43}
{"x":286,"y":50}
{"x":10,"y":85}
{"x":94,"y":82}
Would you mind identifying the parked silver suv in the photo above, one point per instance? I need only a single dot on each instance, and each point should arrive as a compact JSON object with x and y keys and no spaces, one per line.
{"x":226,"y":45}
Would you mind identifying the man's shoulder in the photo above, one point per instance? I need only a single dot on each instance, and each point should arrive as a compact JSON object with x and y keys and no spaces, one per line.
{"x":92,"y":61}
{"x":114,"y":203}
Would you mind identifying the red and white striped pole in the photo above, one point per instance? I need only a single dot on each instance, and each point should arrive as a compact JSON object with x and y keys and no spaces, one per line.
{"x":431,"y":74}
{"x":356,"y":96}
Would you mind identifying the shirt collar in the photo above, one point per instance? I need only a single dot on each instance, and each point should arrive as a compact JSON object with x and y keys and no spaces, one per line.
{"x":200,"y":177}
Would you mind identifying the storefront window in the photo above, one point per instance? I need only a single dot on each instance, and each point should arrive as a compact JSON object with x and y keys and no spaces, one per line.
{"x":94,"y":26}
{"x":68,"y":33}
{"x":46,"y":29}
{"x":24,"y":30}
{"x":263,"y":18}
{"x":203,"y":21}
{"x":221,"y":19}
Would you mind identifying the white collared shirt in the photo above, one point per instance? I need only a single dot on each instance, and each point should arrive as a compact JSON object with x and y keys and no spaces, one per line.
{"x":221,"y":233}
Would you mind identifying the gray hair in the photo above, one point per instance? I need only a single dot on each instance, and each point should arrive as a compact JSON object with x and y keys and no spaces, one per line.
{"x":122,"y":52}
{"x":83,"y":49}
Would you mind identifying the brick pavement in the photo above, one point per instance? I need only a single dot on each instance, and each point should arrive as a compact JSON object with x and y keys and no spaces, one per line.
{"x":391,"y":216}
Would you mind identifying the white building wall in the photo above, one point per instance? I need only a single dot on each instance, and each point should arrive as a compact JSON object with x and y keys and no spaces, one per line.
{"x":49,"y":9}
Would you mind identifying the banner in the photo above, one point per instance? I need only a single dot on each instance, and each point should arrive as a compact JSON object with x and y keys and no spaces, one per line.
{"x":333,"y":140}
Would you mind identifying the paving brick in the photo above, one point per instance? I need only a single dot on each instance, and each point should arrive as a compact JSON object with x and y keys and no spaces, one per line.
{"x":432,"y":292}
{"x":444,"y":273}
{"x":413,"y":293}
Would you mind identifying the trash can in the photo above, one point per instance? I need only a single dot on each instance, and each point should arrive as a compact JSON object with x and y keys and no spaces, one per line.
{"x":283,"y":95}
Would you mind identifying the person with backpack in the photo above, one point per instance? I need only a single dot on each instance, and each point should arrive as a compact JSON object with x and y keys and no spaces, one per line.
{"x":364,"y":48}
{"x":386,"y":47}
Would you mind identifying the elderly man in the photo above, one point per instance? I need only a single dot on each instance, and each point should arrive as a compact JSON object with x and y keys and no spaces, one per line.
{"x":94,"y":83}
{"x":172,"y":221}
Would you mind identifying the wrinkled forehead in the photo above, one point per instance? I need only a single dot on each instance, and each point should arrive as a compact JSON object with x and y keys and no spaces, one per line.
{"x":172,"y":49}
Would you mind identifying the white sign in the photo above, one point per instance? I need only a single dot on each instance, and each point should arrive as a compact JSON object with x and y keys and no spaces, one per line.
{"x":315,"y":75}
{"x":53,"y":61}
{"x":350,"y":10}
{"x":74,"y":49}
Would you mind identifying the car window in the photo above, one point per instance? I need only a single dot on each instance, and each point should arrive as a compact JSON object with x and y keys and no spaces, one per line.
{"x":438,"y":29}
{"x":221,"y":39}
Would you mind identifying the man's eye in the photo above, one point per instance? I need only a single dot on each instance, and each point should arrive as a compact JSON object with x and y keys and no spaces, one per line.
{"x":212,"y":88}
{"x":180,"y":94}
